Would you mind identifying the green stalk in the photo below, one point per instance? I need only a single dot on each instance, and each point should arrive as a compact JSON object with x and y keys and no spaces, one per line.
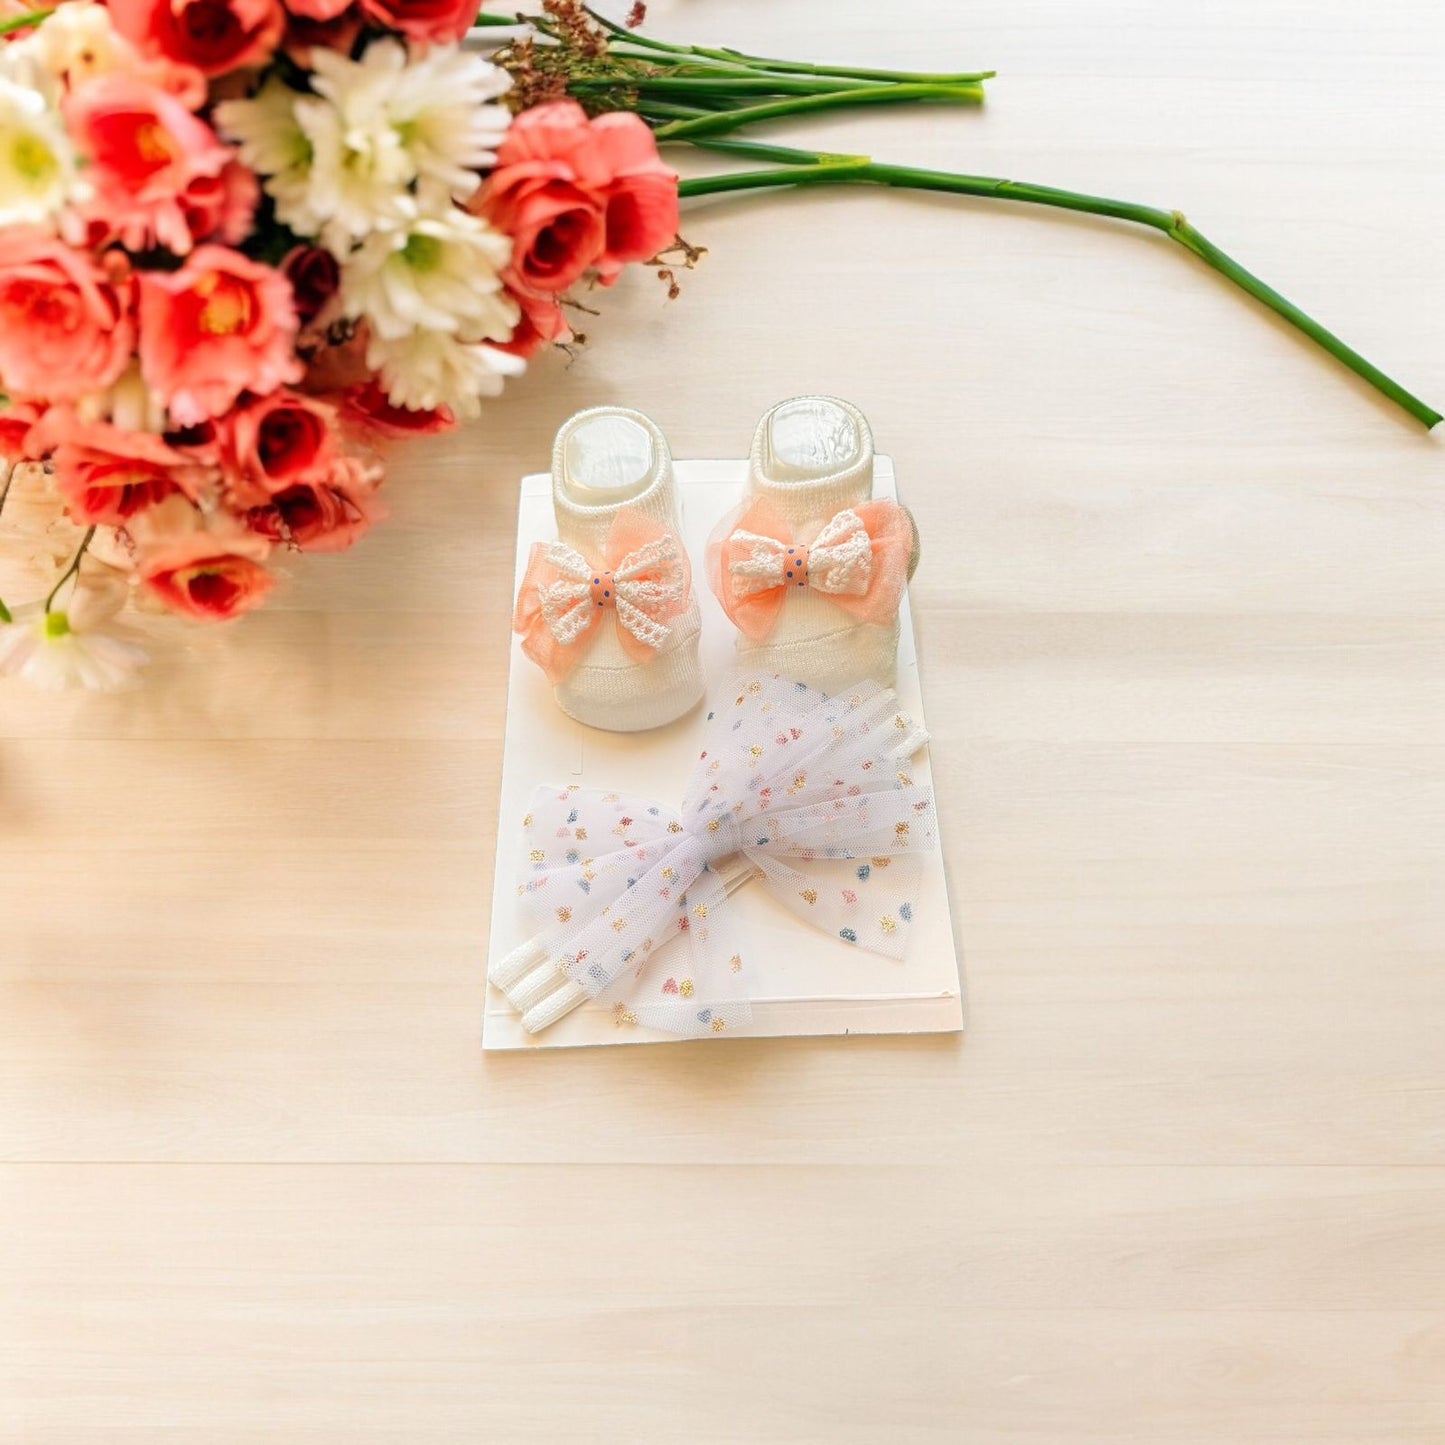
{"x":729,"y":56}
{"x":24,"y":22}
{"x":72,"y":569}
{"x":805,"y":168}
{"x":969,"y":93}
{"x":739,"y":83}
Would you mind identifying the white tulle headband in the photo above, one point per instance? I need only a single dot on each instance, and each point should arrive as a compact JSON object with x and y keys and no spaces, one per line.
{"x":810,"y":794}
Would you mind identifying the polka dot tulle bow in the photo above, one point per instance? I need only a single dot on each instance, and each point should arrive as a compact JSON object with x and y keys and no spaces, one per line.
{"x":627,"y":899}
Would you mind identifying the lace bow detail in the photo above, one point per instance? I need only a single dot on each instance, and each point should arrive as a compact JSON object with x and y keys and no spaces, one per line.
{"x":642,"y":580}
{"x":858,"y":560}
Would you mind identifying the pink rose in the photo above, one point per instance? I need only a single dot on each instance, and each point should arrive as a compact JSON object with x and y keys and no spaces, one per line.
{"x":367,"y":406}
{"x":65,"y":323}
{"x":106,"y":474}
{"x":435,"y":21}
{"x":17,"y":427}
{"x":222,"y":207}
{"x":274,"y":441}
{"x":640,"y":196}
{"x":157,"y":171}
{"x":305,"y":34}
{"x":543,"y":324}
{"x":211,"y":576}
{"x":546,"y":192}
{"x":221,"y":325}
{"x":215,"y":36}
{"x":327,"y":513}
{"x":577,"y":194}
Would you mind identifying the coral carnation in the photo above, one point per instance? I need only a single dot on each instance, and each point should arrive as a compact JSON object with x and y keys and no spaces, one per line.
{"x":157,"y":171}
{"x":221,"y":325}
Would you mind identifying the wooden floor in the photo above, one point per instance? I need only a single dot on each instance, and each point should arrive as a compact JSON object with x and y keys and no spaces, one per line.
{"x":1182,"y":618}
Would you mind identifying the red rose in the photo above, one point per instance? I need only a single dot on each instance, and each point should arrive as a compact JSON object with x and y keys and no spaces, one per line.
{"x":369,"y":408}
{"x":274,"y":441}
{"x":315,"y":278}
{"x":211,"y":577}
{"x":107,"y":474}
{"x":437,"y":21}
{"x":215,"y":36}
{"x":325,"y":514}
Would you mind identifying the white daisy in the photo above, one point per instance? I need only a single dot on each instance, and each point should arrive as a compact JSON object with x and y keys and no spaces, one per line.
{"x":439,"y":107}
{"x":273,"y":142}
{"x":37,"y":165}
{"x":438,"y":272}
{"x":47,"y":649}
{"x":76,"y":41}
{"x":429,"y":369}
{"x":360,"y":165}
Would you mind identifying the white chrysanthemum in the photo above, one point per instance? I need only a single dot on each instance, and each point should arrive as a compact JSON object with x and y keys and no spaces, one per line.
{"x":50,"y":650}
{"x":37,"y":165}
{"x":360,"y":166}
{"x":437,"y":273}
{"x":440,"y":109}
{"x":76,"y":41}
{"x":273,"y":142}
{"x":429,"y":369}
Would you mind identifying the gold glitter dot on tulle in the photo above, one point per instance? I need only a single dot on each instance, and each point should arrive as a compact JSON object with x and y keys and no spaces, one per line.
{"x":737,"y":963}
{"x":809,"y":895}
{"x":718,"y":1025}
{"x":564,"y":915}
{"x":538,"y":855}
{"x":685,"y":988}
{"x":887,"y":924}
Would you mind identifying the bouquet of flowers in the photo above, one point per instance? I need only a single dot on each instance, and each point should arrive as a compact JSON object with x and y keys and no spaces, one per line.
{"x":239,"y":242}
{"x":244,"y":242}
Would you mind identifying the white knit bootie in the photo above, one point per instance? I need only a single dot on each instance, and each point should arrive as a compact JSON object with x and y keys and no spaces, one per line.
{"x":810,"y":568}
{"x":608,"y":610}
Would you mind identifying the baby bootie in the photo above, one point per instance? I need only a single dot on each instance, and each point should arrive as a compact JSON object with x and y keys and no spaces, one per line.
{"x":810,"y":569}
{"x":607,"y":611}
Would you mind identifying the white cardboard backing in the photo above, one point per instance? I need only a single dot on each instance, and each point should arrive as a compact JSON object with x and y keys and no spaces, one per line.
{"x":807,"y":981}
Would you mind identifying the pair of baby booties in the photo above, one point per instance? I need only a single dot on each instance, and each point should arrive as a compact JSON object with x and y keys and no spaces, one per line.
{"x":809,"y":567}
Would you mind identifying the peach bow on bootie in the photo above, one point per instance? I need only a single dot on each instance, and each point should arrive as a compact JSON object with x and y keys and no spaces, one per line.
{"x":642,"y":579}
{"x":859,"y":560}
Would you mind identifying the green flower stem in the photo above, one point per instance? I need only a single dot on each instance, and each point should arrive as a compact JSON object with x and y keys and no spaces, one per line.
{"x":728,"y":56}
{"x":73,"y":569}
{"x":24,"y":22}
{"x":742,"y":83}
{"x":968,"y":93}
{"x":818,"y":169}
